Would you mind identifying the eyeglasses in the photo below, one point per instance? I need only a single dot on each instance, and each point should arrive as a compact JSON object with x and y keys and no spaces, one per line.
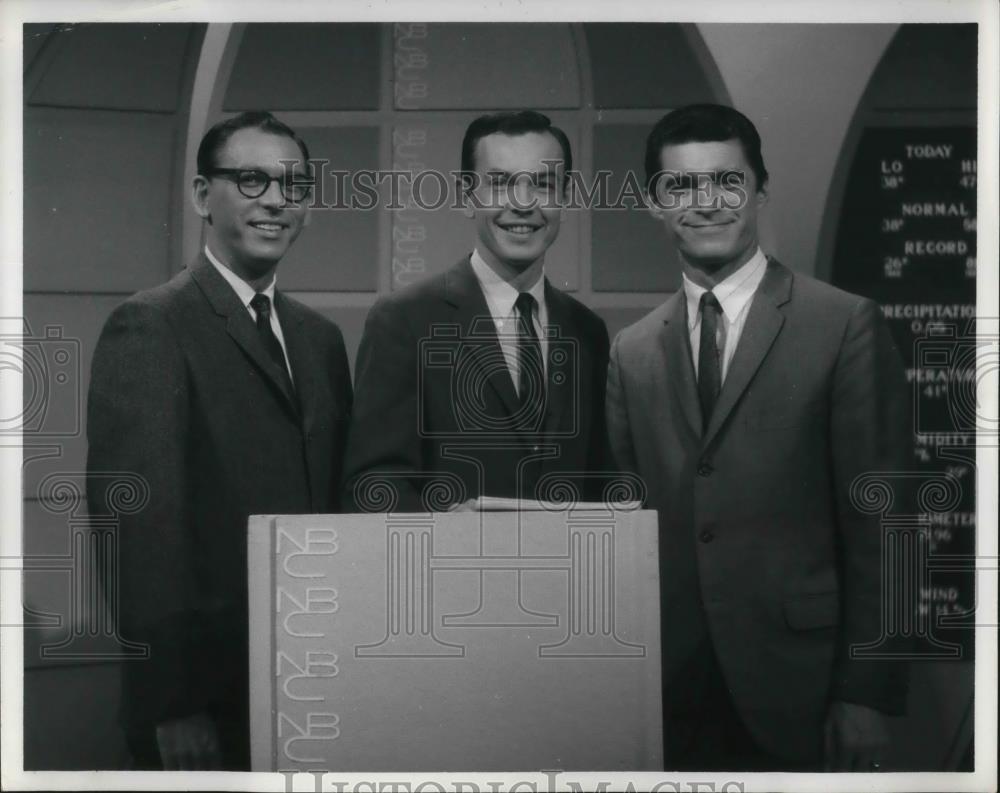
{"x":253,"y":183}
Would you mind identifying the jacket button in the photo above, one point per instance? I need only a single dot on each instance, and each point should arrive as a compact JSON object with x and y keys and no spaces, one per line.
{"x":705,"y":468}
{"x":706,"y":536}
{"x":534,"y":448}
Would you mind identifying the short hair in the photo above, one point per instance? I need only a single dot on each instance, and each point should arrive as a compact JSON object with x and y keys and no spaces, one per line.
{"x":215,"y":139}
{"x":511,"y":123}
{"x":702,"y":123}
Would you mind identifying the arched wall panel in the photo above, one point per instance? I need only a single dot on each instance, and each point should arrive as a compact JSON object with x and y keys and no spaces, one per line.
{"x":337,"y":251}
{"x":125,"y":66}
{"x":487,"y":67}
{"x":306,"y":66}
{"x":648,"y":66}
{"x":103,"y":229}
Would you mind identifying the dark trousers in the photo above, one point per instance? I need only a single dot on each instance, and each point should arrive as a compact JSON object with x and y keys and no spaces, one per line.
{"x":702,"y":731}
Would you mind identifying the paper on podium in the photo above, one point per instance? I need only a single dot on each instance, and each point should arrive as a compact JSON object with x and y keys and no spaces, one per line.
{"x":498,"y":504}
{"x":463,"y":641}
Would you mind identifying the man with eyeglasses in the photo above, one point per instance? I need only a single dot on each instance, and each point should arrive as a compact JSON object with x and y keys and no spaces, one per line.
{"x":228,"y":398}
{"x":485,"y":380}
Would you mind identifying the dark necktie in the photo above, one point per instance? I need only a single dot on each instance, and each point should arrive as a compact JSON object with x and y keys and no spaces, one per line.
{"x":531,"y":373}
{"x":261,"y":305}
{"x":709,"y":371}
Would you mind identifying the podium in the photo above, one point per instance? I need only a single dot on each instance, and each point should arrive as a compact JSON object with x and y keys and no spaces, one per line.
{"x":462,"y":641}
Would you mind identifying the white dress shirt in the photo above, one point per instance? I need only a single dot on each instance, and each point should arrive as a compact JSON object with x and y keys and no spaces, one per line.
{"x":500,"y":298}
{"x":735,"y":295}
{"x":246,"y":293}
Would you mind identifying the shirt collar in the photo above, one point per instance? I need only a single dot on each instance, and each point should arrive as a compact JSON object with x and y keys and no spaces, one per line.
{"x":500,"y":295}
{"x":243,"y":290}
{"x":733,"y":293}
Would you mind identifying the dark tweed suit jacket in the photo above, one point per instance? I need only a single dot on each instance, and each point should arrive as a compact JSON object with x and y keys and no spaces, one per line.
{"x":762,"y":549}
{"x":184,"y":394}
{"x":437,"y":416}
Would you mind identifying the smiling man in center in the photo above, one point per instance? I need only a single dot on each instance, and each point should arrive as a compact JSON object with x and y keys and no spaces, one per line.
{"x":485,"y":379}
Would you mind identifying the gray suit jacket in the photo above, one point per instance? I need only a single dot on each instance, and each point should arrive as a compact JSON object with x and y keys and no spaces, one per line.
{"x":436,"y":405}
{"x":762,"y":549}
{"x":184,"y":394}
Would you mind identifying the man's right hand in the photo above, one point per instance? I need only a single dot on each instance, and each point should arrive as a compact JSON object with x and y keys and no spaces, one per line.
{"x":189,"y":744}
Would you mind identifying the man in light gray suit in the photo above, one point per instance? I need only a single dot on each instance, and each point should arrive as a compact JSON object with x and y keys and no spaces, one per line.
{"x":749,"y":402}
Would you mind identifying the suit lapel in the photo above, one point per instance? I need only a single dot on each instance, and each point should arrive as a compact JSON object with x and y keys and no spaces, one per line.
{"x":762,"y":327}
{"x":473,"y":314}
{"x":310,"y":392}
{"x":677,"y":353}
{"x":240,"y":327}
